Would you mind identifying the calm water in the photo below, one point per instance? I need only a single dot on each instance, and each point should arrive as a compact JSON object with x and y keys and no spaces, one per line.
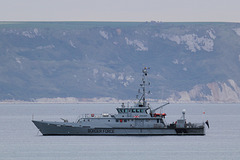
{"x":20,"y":139}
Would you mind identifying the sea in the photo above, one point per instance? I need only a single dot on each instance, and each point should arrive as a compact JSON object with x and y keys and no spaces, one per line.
{"x":21,"y":140}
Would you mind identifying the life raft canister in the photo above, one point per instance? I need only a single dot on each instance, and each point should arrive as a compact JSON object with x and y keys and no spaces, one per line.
{"x":92,"y":115}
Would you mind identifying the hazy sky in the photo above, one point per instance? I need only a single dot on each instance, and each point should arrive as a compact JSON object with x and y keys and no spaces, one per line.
{"x":120,"y":10}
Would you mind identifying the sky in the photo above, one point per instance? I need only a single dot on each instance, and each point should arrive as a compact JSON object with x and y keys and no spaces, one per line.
{"x":121,"y":10}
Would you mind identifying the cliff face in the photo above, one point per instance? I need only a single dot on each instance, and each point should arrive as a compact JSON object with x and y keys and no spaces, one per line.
{"x":189,"y":61}
{"x":228,"y":92}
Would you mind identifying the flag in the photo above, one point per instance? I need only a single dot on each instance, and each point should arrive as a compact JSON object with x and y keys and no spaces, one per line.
{"x":207,"y":123}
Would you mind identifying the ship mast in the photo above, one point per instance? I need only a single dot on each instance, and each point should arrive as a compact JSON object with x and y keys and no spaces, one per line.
{"x":143,"y":86}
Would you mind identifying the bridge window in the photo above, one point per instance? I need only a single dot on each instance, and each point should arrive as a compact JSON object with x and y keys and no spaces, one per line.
{"x":133,"y":110}
{"x":141,"y":110}
{"x":126,"y":110}
{"x":138,"y":110}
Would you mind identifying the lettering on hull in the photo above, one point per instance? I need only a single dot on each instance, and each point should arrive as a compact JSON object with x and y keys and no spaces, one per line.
{"x":100,"y":130}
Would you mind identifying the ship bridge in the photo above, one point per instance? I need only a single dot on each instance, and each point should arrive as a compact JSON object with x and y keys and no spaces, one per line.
{"x":132,"y":112}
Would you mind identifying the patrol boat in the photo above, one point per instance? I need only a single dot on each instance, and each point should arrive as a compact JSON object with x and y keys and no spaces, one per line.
{"x":139,"y":119}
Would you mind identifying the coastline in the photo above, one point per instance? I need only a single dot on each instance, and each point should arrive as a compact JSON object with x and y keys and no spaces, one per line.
{"x":103,"y":100}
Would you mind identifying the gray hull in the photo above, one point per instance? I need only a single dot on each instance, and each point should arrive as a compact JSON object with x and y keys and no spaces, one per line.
{"x":70,"y":129}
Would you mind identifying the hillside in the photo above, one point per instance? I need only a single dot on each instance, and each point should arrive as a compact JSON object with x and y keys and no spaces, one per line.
{"x":189,"y":61}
